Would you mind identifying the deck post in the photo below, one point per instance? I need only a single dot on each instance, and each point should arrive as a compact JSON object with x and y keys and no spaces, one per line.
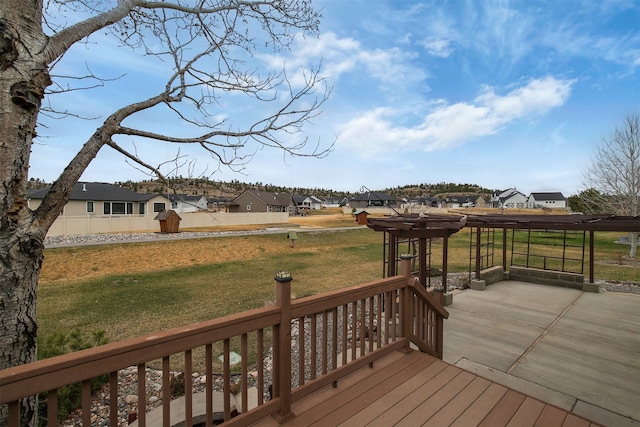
{"x":405,"y":304}
{"x":478,"y":243}
{"x":282,"y":348}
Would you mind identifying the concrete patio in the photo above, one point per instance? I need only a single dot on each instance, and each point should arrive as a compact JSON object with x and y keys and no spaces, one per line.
{"x":579,"y":351}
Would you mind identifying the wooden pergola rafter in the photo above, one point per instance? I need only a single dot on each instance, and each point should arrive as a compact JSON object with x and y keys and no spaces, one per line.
{"x":422,"y":228}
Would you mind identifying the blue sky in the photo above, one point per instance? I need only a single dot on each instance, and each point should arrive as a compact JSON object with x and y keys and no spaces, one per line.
{"x":501,"y":94}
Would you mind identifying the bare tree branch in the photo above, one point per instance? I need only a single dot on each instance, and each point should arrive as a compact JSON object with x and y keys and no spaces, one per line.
{"x":612,"y":181}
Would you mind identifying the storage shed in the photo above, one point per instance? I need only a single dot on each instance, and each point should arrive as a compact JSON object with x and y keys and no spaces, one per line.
{"x":169,"y":221}
{"x":361,"y":217}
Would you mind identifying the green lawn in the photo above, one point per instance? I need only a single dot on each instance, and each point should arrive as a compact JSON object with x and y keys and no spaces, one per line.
{"x":127,"y":305}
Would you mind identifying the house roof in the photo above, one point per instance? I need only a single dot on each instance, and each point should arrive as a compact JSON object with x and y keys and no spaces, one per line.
{"x":373,"y":195}
{"x":185,"y":197}
{"x":166,"y":214}
{"x":97,"y":191}
{"x":335,"y":200}
{"x":462,"y":199}
{"x":548,"y":196}
{"x":270,"y":199}
{"x":298,"y":198}
{"x":509,"y":194}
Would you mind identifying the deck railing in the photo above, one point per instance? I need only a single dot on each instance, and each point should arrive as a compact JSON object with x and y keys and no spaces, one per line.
{"x":287,"y":351}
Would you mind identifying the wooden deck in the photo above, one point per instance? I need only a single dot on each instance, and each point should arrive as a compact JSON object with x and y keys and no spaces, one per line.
{"x":418,"y":389}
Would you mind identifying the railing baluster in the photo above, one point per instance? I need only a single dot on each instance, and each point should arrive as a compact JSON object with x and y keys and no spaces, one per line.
{"x":354,"y":328}
{"x":386,"y":306}
{"x":86,"y":403}
{"x":363,"y":322}
{"x":260,"y":363}
{"x":334,"y":337}
{"x":208,"y":356}
{"x":314,"y":339}
{"x":394,"y":306}
{"x":371,"y":314}
{"x":14,"y":414}
{"x":325,"y":340}
{"x":52,"y":407}
{"x":245,"y":372}
{"x":166,"y":393}
{"x":113,"y":398}
{"x":379,"y":298}
{"x":345,"y":328}
{"x":142,"y":395}
{"x":301,"y":351}
{"x":226,"y":379}
{"x":423,"y":319}
{"x":188,"y":387}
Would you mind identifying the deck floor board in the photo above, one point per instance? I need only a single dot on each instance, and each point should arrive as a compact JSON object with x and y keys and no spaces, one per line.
{"x":417,"y":389}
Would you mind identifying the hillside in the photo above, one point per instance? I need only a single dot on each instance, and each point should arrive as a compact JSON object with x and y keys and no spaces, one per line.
{"x":209,"y":188}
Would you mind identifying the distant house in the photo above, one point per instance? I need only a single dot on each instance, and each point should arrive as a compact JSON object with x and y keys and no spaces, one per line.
{"x":218,"y":204}
{"x":335,"y":202}
{"x":103,"y":199}
{"x":372,"y":199}
{"x":188,"y":203}
{"x":546,"y":200}
{"x":306,"y":202}
{"x":420,"y":201}
{"x":466,"y":201}
{"x":508,"y":199}
{"x":262,"y":201}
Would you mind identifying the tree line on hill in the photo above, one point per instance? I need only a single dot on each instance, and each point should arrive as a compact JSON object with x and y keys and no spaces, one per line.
{"x":233,"y":188}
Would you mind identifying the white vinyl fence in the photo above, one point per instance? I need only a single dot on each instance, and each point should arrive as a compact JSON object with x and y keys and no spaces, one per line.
{"x":74,"y":225}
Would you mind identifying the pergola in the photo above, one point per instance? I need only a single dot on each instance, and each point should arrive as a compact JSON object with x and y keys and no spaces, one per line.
{"x":423,"y":228}
{"x":420,"y":229}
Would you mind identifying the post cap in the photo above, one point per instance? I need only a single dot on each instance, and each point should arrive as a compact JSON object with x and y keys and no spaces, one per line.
{"x":283,"y":276}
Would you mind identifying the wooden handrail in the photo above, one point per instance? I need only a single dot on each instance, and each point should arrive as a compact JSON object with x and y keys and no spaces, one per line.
{"x":375,"y":319}
{"x":48,"y":374}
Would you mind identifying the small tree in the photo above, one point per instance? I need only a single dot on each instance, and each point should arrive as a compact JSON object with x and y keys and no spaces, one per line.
{"x":207,"y":49}
{"x":613,"y":178}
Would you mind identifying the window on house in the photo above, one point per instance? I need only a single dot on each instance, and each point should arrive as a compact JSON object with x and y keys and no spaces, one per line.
{"x":89,"y":207}
{"x":141,"y":208}
{"x":157,"y":207}
{"x":118,"y":208}
{"x":248,"y":207}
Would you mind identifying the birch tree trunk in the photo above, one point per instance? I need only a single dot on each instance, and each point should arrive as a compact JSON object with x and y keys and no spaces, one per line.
{"x":22,"y":84}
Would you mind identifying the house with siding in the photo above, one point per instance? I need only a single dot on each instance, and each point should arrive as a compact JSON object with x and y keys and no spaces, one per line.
{"x":307,"y":202}
{"x":547,"y":200}
{"x":101,"y":199}
{"x":335,"y":202}
{"x":372,"y":199}
{"x":466,"y":201}
{"x":508,"y":199}
{"x":218,"y":204}
{"x":262,"y":201}
{"x":188,"y":203}
{"x":420,"y":201}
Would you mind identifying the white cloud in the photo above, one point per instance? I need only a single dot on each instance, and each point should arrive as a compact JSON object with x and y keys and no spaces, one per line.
{"x":343,"y":55}
{"x":441,"y":48}
{"x":445,"y":126}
